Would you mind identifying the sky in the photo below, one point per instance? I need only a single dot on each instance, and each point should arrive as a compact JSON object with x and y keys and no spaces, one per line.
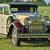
{"x":47,"y":0}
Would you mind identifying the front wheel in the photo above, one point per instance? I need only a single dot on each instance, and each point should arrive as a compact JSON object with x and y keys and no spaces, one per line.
{"x":15,"y":39}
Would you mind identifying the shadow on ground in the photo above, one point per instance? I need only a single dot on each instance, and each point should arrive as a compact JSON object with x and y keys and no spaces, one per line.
{"x":36,"y":44}
{"x":24,"y":44}
{"x":33,"y":46}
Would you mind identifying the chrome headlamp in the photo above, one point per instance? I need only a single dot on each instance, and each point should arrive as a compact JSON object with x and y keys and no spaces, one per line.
{"x":27,"y":21}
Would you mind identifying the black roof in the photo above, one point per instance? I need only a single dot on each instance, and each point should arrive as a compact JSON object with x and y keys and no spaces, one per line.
{"x":20,"y":4}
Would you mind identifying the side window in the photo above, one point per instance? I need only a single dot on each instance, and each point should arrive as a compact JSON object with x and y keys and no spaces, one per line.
{"x":1,"y":10}
{"x":14,"y":10}
{"x":6,"y":11}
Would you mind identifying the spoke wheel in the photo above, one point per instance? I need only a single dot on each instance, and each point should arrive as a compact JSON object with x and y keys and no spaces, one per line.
{"x":15,"y":39}
{"x":8,"y":25}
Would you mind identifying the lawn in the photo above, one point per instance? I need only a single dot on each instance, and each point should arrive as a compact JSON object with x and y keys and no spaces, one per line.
{"x":6,"y":44}
{"x":44,"y":10}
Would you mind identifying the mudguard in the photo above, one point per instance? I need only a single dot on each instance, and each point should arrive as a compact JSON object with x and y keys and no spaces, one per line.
{"x":21,"y":28}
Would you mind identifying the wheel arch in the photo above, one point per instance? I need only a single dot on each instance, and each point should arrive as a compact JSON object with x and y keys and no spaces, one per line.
{"x":10,"y":30}
{"x":11,"y":26}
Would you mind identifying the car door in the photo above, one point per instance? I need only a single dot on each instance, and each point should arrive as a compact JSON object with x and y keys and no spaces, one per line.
{"x":1,"y":13}
{"x":3,"y":20}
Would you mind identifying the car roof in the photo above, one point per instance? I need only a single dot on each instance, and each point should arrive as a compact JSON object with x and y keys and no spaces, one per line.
{"x":18,"y":4}
{"x":23,"y":4}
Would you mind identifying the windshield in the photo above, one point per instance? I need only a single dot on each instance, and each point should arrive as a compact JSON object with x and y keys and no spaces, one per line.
{"x":22,"y":9}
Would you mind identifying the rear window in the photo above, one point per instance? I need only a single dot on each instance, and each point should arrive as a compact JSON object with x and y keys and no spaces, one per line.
{"x":6,"y":11}
{"x":1,"y":10}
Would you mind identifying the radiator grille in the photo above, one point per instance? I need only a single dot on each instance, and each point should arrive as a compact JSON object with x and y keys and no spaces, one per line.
{"x":36,"y":27}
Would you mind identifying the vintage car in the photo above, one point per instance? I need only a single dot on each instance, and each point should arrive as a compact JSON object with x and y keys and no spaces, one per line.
{"x":21,"y":22}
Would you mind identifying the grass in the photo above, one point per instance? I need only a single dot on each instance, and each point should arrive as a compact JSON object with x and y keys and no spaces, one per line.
{"x":6,"y":44}
{"x":43,"y":9}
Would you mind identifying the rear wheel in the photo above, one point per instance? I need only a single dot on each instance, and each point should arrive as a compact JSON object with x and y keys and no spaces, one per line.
{"x":9,"y":27}
{"x":8,"y":24}
{"x":15,"y":39}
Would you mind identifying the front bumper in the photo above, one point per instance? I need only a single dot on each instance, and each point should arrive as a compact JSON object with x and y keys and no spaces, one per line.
{"x":33,"y":35}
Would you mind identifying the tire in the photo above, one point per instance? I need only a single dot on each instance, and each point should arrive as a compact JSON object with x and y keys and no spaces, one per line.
{"x":8,"y":26}
{"x":15,"y":39}
{"x":9,"y":21}
{"x":49,"y":43}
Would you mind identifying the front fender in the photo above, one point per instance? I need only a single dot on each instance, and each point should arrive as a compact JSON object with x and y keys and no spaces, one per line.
{"x":17,"y":24}
{"x":20,"y":28}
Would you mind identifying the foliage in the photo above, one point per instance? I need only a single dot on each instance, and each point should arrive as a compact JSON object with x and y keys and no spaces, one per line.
{"x":42,"y":9}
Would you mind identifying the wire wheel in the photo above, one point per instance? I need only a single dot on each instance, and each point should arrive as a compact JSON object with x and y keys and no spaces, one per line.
{"x":8,"y":24}
{"x":15,"y":39}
